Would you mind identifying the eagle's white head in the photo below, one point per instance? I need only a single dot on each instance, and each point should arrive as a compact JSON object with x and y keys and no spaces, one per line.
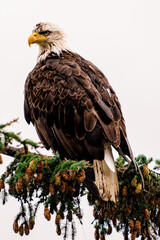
{"x":49,"y":37}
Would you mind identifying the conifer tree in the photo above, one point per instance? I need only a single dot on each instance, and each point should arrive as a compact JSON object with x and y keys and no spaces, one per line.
{"x":58,"y":184}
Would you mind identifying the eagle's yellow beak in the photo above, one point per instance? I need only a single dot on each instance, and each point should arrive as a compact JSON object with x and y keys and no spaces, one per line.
{"x":36,"y":38}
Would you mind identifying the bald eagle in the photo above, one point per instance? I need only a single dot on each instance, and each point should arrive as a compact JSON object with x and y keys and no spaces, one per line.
{"x":75,"y":110}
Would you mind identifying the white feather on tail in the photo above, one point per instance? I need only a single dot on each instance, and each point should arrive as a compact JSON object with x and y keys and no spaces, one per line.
{"x":106,"y":176}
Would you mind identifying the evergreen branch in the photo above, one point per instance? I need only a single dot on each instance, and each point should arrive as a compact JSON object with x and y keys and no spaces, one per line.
{"x":59,"y":185}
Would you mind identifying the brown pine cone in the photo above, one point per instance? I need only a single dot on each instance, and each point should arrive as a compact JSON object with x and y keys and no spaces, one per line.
{"x":80,"y":176}
{"x":109,"y":229}
{"x":47,"y":213}
{"x":69,"y":215}
{"x":38,"y":178}
{"x":131,"y":224}
{"x":40,"y":166}
{"x":133,"y":235}
{"x":146,"y":214}
{"x":21,"y":230}
{"x":57,"y":220}
{"x":145,"y":171}
{"x":58,"y":230}
{"x":1,"y":184}
{"x":64,"y":187}
{"x":1,"y":160}
{"x":138,"y":226}
{"x":65,"y":176}
{"x":52,"y":189}
{"x":124,"y":191}
{"x":19,"y":185}
{"x":102,"y":237}
{"x":26,"y":229}
{"x":33,"y":165}
{"x":128,"y":211}
{"x":96,"y":234}
{"x":58,"y":180}
{"x":15,"y":226}
{"x":72,"y":175}
{"x":134,"y":182}
{"x":31,"y":223}
{"x":138,"y":188}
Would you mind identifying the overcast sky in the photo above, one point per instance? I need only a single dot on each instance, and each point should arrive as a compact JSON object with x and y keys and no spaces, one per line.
{"x":122,"y":38}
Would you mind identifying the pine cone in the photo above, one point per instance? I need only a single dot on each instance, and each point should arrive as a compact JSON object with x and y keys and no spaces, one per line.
{"x":138,"y":226}
{"x":158,"y":201}
{"x":71,"y":190}
{"x":46,"y":165}
{"x":15,"y":226}
{"x":138,"y":188}
{"x":1,"y":184}
{"x":40,"y":166}
{"x":114,"y":220}
{"x":145,"y":171}
{"x":96,"y":234}
{"x":102,"y":237}
{"x":72,"y":175}
{"x":80,"y":176}
{"x":26,"y":229}
{"x":1,"y":160}
{"x":28,"y":175}
{"x":18,"y":190}
{"x":52,"y":189}
{"x":146,"y":214}
{"x":128,"y":211}
{"x":26,"y":178}
{"x":31,"y":223}
{"x":47,"y":213}
{"x":64,"y":187}
{"x":124,"y":191}
{"x":29,"y":171}
{"x":69,"y":216}
{"x":149,"y":231}
{"x":58,"y":230}
{"x":131,"y":224}
{"x":33,"y":166}
{"x":7,"y":174}
{"x":58,"y":180}
{"x":95,"y":214}
{"x":11,"y":189}
{"x":152,"y":202}
{"x":38,"y":178}
{"x":57,"y":220}
{"x":21,"y":230}
{"x":102,"y":212}
{"x":19,"y":185}
{"x":133,"y":235}
{"x":109,"y":229}
{"x":134,"y":182}
{"x":65,"y":176}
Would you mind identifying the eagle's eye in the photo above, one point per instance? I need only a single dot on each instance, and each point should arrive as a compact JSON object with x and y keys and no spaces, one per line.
{"x":46,"y":33}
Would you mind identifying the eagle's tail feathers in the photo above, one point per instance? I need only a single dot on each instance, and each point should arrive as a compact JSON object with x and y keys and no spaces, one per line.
{"x":106,"y":176}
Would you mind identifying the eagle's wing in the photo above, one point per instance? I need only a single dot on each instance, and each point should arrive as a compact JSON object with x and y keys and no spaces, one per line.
{"x":73,"y":107}
{"x":110,"y":99}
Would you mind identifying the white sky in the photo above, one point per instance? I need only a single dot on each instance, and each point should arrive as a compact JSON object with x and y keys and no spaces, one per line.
{"x":122,"y":38}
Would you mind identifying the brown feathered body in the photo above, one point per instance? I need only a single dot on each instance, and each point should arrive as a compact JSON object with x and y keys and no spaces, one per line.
{"x":77,"y":113}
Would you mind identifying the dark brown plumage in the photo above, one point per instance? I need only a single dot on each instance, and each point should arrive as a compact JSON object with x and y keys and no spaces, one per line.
{"x":73,"y":108}
{"x":73,"y":100}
